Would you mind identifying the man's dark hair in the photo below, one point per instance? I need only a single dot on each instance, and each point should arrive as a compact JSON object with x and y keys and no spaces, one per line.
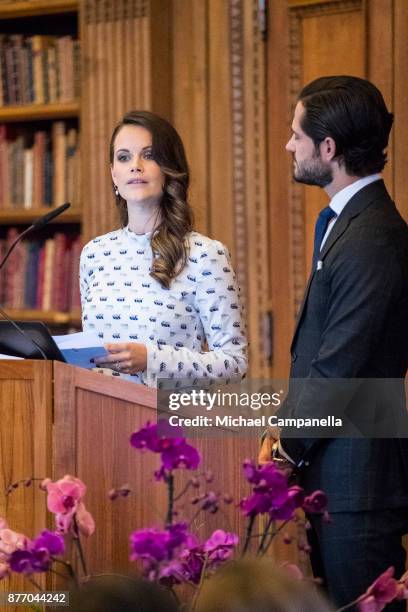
{"x":352,"y":111}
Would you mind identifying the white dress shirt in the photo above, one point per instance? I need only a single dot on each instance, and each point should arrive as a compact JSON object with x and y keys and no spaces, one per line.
{"x":343,"y":197}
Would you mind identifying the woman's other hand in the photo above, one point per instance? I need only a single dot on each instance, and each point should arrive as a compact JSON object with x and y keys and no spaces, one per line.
{"x":124,"y":357}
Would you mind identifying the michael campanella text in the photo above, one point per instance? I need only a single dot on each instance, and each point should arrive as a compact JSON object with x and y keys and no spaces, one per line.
{"x":261,"y":421}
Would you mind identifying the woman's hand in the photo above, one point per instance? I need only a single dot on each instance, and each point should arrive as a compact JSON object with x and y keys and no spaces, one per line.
{"x":124,"y":357}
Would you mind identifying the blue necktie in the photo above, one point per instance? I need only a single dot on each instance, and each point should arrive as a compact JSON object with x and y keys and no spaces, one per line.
{"x":321,"y":226}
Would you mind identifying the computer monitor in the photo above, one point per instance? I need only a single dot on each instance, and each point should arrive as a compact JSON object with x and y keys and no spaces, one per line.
{"x":17,"y":344}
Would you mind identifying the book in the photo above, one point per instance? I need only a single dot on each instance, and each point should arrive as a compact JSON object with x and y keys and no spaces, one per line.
{"x":52,"y":73}
{"x":40,"y":277}
{"x":38,"y":168}
{"x":30,"y":285}
{"x":59,"y":155}
{"x":48,"y":274}
{"x":28,"y":177}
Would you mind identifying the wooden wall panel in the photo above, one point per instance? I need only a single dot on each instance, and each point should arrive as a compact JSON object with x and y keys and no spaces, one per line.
{"x":400,"y":107}
{"x":321,"y":33}
{"x":25,"y":450}
{"x":252,"y":215}
{"x":111,"y":410}
{"x":379,"y":55}
{"x":364,"y":38}
{"x":190,"y":98}
{"x":279,"y":117}
{"x":126,"y":65}
{"x":361,"y":37}
{"x":219,"y":107}
{"x":326,"y":38}
{"x":221,"y":162}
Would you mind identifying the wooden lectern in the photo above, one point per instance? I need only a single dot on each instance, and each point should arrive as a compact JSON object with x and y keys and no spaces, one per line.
{"x":57,"y":419}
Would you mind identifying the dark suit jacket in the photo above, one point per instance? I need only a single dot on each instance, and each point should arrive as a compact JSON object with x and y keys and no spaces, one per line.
{"x":353,"y":324}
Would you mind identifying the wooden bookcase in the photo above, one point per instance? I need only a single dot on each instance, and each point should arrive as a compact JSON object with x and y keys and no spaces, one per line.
{"x":45,"y":17}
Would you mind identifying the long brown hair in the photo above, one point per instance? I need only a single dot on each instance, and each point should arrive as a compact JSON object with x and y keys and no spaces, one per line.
{"x":169,"y":241}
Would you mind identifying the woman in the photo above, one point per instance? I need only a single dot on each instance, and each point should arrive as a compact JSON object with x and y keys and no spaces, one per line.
{"x":156,"y":290}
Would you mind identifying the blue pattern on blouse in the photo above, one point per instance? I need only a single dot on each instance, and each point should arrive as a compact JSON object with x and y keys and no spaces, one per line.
{"x":122,"y":302}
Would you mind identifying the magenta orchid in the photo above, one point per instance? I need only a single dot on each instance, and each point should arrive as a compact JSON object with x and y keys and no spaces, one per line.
{"x":271,"y":493}
{"x":170,"y":443}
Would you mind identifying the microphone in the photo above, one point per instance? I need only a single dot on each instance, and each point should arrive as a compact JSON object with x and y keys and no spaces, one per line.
{"x":39,"y":223}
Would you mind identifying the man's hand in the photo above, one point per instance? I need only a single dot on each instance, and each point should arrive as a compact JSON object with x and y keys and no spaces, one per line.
{"x":268,"y":444}
{"x":265,"y":453}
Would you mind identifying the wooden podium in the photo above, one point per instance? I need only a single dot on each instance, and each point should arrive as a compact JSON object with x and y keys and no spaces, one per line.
{"x":57,"y":419}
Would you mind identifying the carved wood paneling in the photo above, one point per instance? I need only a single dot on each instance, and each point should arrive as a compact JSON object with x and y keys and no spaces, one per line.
{"x":238,"y":143}
{"x":253,"y":214}
{"x":220,"y":156}
{"x":236,"y":151}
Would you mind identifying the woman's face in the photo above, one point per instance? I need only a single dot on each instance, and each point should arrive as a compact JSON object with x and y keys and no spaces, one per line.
{"x":137,"y":176}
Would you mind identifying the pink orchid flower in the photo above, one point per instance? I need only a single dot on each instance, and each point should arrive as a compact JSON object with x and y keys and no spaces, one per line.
{"x":10,"y":541}
{"x":65,"y":494}
{"x":4,"y":570}
{"x":84,"y":520}
{"x":383,"y":590}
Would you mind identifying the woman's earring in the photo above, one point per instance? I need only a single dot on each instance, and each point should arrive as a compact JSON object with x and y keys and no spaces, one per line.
{"x":116,"y":191}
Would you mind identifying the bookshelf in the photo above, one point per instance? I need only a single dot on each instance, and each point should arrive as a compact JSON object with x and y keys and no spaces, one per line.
{"x":31,"y":8}
{"x":53,"y":318}
{"x":32,"y":112}
{"x":26,"y":217}
{"x":39,"y":132}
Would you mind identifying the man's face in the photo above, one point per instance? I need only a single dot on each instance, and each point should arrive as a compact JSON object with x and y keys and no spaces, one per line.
{"x":308,"y":166}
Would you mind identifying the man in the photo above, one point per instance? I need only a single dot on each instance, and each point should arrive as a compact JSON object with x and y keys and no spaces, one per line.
{"x":353,"y":324}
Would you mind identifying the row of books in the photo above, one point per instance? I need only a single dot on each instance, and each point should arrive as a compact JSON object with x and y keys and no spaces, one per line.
{"x":38,"y":69}
{"x":41,"y":274}
{"x":39,"y":169}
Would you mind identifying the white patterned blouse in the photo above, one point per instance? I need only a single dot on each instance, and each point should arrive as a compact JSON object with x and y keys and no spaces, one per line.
{"x":123,"y":303}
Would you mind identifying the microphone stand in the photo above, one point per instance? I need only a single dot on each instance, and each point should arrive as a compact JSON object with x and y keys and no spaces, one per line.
{"x":36,"y":225}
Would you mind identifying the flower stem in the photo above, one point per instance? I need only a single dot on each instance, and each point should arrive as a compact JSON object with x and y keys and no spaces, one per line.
{"x":202,"y":577}
{"x":183,"y":491}
{"x":348,"y":606}
{"x":264,"y":535}
{"x":170,"y":503}
{"x":173,"y":592}
{"x":58,"y":574}
{"x":78,"y":544}
{"x":274,"y":533}
{"x":250,"y":526}
{"x":35,"y":583}
{"x":70,"y":569}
